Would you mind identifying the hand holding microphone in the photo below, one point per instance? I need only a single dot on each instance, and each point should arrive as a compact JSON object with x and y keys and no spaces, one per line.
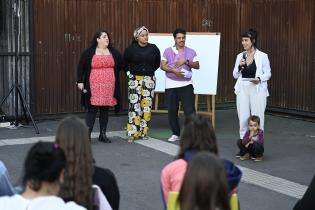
{"x":81,"y":87}
{"x":242,"y":65}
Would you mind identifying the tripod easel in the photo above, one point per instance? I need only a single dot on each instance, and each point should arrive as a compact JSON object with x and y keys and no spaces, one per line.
{"x":16,"y":88}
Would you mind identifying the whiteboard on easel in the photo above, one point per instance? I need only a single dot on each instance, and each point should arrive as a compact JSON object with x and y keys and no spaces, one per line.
{"x":207,"y":47}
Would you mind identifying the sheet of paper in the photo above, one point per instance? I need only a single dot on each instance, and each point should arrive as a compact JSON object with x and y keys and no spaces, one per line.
{"x":250,"y":79}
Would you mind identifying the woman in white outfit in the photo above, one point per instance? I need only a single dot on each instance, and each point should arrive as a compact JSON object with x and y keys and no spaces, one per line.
{"x":252,"y":71}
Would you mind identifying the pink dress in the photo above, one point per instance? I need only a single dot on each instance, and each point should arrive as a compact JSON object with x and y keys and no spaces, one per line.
{"x":102,"y":81}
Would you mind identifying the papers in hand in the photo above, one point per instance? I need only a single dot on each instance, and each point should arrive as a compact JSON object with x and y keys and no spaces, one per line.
{"x":187,"y":74}
{"x":250,"y":79}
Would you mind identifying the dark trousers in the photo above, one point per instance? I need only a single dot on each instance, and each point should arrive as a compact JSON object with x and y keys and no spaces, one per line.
{"x":103,"y":118}
{"x":185,"y":95}
{"x":255,"y":149}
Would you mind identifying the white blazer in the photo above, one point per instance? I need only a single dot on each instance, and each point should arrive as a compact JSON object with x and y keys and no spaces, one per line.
{"x":263,"y":71}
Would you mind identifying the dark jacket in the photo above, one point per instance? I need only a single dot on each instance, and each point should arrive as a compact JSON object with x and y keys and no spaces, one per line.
{"x":84,"y":71}
{"x":307,"y":202}
{"x":142,"y":60}
{"x":106,"y":180}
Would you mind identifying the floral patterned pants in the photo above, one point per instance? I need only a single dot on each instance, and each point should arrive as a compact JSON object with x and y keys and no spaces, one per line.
{"x":141,"y":93}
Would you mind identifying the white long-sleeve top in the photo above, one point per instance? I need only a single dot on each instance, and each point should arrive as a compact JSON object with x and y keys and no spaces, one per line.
{"x":263,"y":71}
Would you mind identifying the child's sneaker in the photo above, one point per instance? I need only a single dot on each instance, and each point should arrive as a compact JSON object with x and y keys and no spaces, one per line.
{"x":258,"y":159}
{"x":238,"y":155}
{"x":253,"y":157}
{"x":245,"y":157}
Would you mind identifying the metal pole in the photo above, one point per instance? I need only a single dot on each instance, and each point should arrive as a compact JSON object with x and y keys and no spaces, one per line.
{"x":16,"y":66}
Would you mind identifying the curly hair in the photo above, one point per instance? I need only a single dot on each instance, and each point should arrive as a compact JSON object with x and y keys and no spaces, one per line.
{"x":73,"y":137}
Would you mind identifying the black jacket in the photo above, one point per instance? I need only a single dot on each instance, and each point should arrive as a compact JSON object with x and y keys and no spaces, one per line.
{"x":142,"y":60}
{"x":106,"y":180}
{"x":307,"y":202}
{"x":84,"y":71}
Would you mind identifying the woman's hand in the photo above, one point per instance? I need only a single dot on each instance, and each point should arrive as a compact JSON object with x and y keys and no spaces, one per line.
{"x":256,"y":81}
{"x":242,"y":64}
{"x":81,"y":86}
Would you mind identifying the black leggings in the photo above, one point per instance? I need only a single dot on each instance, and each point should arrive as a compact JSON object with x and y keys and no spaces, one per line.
{"x":103,"y":118}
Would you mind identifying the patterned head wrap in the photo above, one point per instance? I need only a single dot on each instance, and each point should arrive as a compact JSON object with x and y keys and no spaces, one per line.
{"x":138,"y":31}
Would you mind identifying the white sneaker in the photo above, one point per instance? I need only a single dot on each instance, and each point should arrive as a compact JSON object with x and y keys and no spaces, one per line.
{"x":173,"y":138}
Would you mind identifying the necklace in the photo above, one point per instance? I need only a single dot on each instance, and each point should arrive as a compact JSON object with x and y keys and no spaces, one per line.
{"x":250,"y":57}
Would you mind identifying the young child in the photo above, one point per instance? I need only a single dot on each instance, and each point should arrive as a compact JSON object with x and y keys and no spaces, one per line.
{"x":252,"y":144}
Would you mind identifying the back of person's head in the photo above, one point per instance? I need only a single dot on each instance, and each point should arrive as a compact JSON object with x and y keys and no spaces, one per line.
{"x":43,"y":163}
{"x":73,"y":137}
{"x":204,"y":185}
{"x":197,"y":135}
{"x":254,"y":118}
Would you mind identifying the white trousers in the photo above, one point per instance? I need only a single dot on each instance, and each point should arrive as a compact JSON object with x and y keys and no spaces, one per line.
{"x":249,"y":102}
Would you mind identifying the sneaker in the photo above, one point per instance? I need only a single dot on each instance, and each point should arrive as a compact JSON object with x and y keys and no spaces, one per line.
{"x":258,"y":159}
{"x":238,"y":155}
{"x":173,"y":138}
{"x":245,"y":157}
{"x":253,"y":157}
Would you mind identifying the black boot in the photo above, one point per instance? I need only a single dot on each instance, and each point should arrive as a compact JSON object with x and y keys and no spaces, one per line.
{"x":90,"y":132}
{"x":103,"y":138}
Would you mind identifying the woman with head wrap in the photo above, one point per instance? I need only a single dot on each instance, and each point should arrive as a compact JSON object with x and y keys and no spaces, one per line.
{"x":142,"y":59}
{"x":252,"y":71}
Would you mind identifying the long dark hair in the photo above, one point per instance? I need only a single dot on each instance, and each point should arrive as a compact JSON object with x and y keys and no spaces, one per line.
{"x":43,"y":163}
{"x":205,"y":185}
{"x":197,"y":135}
{"x":73,"y":137}
{"x":97,"y":35}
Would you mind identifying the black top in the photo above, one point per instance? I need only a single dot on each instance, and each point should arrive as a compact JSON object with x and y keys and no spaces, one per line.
{"x":250,"y":70}
{"x":106,"y":180}
{"x":84,"y":71}
{"x":308,"y":201}
{"x":142,"y":60}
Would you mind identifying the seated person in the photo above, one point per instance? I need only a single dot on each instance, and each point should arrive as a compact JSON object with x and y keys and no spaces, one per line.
{"x":5,"y":183}
{"x":197,"y":135}
{"x":73,"y":137}
{"x":44,"y":169}
{"x":204,"y":185}
{"x":307,"y":202}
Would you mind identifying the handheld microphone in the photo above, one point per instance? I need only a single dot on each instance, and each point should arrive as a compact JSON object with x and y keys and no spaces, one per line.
{"x":244,"y":57}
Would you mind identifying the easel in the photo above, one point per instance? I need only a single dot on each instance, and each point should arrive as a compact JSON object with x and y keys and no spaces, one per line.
{"x":210,"y":100}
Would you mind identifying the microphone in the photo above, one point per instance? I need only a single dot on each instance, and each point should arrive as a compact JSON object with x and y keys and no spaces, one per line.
{"x":244,"y":57}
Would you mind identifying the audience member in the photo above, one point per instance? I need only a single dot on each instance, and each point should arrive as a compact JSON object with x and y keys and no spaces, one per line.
{"x":307,"y":202}
{"x":44,"y":171}
{"x":6,"y":187}
{"x":73,"y":137}
{"x":197,"y":135}
{"x":204,"y":185}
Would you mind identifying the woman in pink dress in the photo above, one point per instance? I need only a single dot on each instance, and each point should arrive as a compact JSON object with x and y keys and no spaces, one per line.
{"x":98,"y":79}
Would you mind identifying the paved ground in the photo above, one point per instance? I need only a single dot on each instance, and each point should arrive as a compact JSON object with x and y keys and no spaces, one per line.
{"x":276,"y":183}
